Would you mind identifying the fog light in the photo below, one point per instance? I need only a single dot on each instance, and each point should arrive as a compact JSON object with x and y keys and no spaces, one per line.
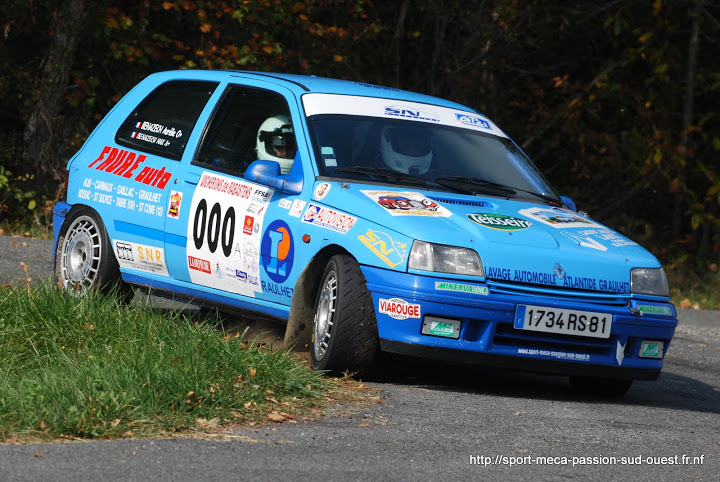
{"x":651,"y":349}
{"x":443,"y":327}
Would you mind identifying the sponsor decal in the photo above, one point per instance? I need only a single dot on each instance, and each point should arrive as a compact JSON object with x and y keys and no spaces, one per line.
{"x":461,"y":288}
{"x":558,"y":218}
{"x":261,"y":196}
{"x":652,"y":349}
{"x":410,"y":113}
{"x":442,"y":328}
{"x":279,"y":290}
{"x":655,"y":310}
{"x":321,"y":190}
{"x":390,"y":251}
{"x":598,"y":238}
{"x":241,"y":275}
{"x":561,"y":355}
{"x":285,"y":203}
{"x":407,"y":203}
{"x":199,"y":264}
{"x":328,"y":218}
{"x":124,"y":163}
{"x":297,"y":208}
{"x":471,"y":120}
{"x":277,"y":251}
{"x":398,"y":308}
{"x":255,"y":208}
{"x":499,"y":221}
{"x":248,"y":226}
{"x":174,"y":207}
{"x":141,"y":257}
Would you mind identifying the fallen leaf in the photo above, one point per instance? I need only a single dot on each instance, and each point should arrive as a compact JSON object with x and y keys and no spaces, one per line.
{"x":37,"y":454}
{"x":363,"y":425}
{"x":276,"y":417}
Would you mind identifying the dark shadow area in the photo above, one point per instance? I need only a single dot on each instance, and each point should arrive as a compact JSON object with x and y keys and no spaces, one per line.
{"x":670,"y":390}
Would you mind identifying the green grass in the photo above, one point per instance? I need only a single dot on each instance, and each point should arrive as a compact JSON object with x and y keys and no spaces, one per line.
{"x":88,"y":367}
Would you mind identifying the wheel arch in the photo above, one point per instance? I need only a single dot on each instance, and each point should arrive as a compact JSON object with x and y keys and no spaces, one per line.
{"x":298,"y":332}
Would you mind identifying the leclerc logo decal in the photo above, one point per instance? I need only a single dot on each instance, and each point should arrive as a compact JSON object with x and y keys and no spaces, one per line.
{"x":399,"y":309}
{"x":277,"y":251}
{"x":499,"y":221}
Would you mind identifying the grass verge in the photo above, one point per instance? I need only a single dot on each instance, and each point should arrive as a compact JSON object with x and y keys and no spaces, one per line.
{"x":87,"y":367}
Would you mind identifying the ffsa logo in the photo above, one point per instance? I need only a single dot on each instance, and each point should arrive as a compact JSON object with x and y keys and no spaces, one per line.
{"x":471,"y":120}
{"x":277,"y":250}
{"x":401,"y":111}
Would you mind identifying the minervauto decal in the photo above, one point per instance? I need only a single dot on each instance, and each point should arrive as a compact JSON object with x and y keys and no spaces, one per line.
{"x":224,"y":234}
{"x":499,"y":221}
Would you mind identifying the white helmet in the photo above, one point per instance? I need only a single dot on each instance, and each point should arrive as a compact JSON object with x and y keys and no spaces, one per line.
{"x":276,"y":142}
{"x":406,"y":149}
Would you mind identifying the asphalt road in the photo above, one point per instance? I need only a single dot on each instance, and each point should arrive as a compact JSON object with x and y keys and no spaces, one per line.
{"x":434,"y":422}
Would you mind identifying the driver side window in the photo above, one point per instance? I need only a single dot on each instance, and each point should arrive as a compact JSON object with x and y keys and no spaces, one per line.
{"x":234,"y":138}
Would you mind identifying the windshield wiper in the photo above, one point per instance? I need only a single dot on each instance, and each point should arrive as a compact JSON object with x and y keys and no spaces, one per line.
{"x":384,"y":173}
{"x":475,"y":181}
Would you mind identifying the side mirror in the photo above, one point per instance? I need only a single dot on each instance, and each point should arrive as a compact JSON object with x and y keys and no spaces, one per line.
{"x":268,"y":174}
{"x":569,"y":203}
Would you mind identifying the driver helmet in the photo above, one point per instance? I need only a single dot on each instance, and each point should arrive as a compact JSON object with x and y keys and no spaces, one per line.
{"x":276,"y":142}
{"x":406,"y":149}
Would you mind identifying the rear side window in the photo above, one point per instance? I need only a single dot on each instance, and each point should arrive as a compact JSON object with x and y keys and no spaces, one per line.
{"x":162,"y":123}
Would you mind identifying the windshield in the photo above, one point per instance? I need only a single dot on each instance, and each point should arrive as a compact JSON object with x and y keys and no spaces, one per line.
{"x":436,"y":156}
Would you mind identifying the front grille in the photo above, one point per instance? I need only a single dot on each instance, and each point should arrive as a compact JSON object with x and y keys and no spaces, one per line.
{"x":507,"y":335}
{"x":558,"y":293}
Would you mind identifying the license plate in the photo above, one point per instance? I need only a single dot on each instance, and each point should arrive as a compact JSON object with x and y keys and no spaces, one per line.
{"x":564,"y":322}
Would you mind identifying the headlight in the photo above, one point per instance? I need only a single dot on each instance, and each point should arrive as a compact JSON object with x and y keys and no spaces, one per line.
{"x":445,"y":259}
{"x":649,"y":281}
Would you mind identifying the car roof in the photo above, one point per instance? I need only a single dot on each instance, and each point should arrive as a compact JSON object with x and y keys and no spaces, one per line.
{"x":302,"y":84}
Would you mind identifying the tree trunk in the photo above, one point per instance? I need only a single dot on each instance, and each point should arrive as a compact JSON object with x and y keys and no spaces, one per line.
{"x":687,"y":118}
{"x":41,"y":126}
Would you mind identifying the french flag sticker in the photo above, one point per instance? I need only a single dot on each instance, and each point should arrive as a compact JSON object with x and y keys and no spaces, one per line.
{"x":137,"y":126}
{"x":133,"y":135}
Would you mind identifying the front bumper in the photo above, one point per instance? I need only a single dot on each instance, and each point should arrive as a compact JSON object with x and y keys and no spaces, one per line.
{"x":487,"y":334}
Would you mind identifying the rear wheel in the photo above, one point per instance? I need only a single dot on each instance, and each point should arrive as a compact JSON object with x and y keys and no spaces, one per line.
{"x":599,"y":387}
{"x":84,"y":258}
{"x":345,"y":336}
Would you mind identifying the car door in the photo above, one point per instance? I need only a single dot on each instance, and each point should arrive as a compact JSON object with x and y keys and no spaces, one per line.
{"x":229,"y":236}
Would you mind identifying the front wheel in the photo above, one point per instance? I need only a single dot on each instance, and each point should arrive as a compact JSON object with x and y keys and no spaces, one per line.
{"x":345,"y":335}
{"x":84,"y":257}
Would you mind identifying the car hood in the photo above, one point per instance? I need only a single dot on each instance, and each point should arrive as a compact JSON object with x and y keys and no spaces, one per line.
{"x":517,"y":241}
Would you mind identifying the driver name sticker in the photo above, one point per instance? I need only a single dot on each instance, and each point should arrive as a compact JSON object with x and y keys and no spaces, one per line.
{"x":407,"y":203}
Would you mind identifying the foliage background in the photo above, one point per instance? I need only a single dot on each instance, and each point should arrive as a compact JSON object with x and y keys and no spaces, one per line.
{"x":616,"y":101}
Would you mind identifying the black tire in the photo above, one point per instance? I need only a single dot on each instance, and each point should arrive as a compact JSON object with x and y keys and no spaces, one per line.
{"x":84,"y":258}
{"x":599,"y":387}
{"x":344,"y":332}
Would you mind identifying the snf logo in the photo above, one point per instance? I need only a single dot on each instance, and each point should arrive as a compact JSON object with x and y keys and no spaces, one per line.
{"x":277,"y":250}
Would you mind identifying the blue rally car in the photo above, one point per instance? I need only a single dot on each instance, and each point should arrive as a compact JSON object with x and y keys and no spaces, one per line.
{"x":369,"y":219}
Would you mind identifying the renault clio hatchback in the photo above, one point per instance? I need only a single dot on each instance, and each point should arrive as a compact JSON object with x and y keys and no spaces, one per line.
{"x":368,"y":219}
